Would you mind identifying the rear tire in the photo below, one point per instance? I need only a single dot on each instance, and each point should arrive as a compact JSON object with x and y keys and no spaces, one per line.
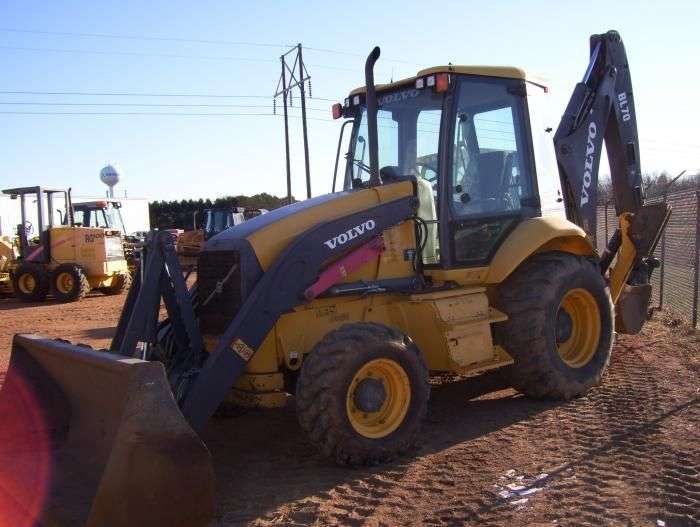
{"x":121,"y":283}
{"x":560,"y":325}
{"x":362,"y":394}
{"x":30,"y":283}
{"x":69,"y":283}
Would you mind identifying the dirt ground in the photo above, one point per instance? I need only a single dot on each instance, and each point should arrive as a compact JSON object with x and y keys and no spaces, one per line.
{"x":626,"y":454}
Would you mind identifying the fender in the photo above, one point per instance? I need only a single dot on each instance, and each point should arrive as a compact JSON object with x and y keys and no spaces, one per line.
{"x":537,"y":235}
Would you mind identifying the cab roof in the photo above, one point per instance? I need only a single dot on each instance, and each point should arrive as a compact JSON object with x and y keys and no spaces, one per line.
{"x":97,"y":203}
{"x":507,"y":72}
{"x":31,"y":190}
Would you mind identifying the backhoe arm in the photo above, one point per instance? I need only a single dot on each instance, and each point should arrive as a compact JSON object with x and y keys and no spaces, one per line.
{"x":601,"y":109}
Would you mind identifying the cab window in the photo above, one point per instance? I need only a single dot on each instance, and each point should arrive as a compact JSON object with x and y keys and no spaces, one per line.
{"x":388,"y":146}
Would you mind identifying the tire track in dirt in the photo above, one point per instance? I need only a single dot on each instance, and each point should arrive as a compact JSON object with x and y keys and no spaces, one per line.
{"x":628,"y":453}
{"x":608,"y":447}
{"x":611,"y":457}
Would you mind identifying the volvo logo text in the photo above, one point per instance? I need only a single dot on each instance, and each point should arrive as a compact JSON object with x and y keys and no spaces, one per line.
{"x":588,"y":167}
{"x":350,"y":234}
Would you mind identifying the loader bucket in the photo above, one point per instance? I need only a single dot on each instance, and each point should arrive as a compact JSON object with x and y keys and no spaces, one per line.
{"x":632,"y":309}
{"x":93,"y":438}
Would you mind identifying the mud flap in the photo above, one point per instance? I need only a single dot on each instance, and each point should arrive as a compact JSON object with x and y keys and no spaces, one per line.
{"x":97,"y":439}
{"x":632,"y":308}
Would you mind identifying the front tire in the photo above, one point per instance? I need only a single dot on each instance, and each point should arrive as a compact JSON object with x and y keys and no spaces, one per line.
{"x":69,"y":283}
{"x":560,"y":325}
{"x":362,"y":394}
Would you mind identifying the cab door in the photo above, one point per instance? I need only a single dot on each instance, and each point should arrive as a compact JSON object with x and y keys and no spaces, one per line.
{"x":489,"y":175}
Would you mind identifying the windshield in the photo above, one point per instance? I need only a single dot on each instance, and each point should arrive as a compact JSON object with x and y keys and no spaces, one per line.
{"x":408,"y":130}
{"x":115,"y":218}
{"x":101,"y":216}
{"x":218,"y":221}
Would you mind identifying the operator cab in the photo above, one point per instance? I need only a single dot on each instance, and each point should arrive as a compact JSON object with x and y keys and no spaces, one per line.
{"x":219,"y":220}
{"x":464,"y":134}
{"x":105,"y":214}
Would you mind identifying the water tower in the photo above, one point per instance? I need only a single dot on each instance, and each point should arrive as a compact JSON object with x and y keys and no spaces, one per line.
{"x":110,"y":177}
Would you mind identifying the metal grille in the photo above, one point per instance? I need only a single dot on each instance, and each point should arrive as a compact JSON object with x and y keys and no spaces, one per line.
{"x":676,"y":283}
{"x":224,"y":294}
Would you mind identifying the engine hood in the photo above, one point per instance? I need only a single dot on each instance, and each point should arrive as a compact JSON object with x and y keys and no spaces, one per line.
{"x":267,"y":235}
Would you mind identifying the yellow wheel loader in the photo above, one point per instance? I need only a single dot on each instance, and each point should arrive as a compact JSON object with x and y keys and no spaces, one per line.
{"x":106,"y":214}
{"x":460,"y":242}
{"x":63,"y":259}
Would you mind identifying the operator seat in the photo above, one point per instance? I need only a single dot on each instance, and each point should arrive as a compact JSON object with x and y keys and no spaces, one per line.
{"x":428,"y":213}
{"x":491,"y":170}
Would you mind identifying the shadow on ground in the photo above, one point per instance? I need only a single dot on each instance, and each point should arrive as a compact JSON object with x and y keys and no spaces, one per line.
{"x":99,"y":333}
{"x":8,"y":303}
{"x":263,"y":444}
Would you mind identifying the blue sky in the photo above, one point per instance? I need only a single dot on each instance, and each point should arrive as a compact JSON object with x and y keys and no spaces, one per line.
{"x":168,"y":156}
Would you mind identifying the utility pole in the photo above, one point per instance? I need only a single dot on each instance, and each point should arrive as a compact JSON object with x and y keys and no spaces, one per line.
{"x":294,"y":76}
{"x":302,"y":70}
{"x":286,"y":132}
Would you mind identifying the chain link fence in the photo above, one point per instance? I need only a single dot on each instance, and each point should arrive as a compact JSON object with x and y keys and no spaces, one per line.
{"x":676,"y":282}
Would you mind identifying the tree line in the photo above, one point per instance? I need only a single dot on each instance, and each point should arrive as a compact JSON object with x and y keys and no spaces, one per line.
{"x":654,"y":183}
{"x":180,"y":214}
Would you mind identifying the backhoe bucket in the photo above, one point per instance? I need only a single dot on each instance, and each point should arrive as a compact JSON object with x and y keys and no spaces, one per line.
{"x":93,"y":438}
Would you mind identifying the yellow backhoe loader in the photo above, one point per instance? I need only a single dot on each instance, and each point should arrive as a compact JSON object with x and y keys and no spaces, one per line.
{"x":61,"y":258}
{"x":461,"y":241}
{"x":189,"y":243}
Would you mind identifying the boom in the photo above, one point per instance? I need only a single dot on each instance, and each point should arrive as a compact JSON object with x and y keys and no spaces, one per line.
{"x":601,"y":108}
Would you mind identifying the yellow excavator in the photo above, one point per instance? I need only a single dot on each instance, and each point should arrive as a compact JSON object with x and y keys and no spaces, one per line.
{"x":461,"y":241}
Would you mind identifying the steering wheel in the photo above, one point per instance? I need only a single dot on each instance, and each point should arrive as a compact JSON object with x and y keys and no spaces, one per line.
{"x":426,"y":168}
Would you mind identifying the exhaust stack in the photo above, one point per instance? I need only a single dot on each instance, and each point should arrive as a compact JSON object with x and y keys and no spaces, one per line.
{"x":375,"y":178}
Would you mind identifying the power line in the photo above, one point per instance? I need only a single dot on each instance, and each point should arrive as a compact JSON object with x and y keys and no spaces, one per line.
{"x":42,"y":103}
{"x":197,"y":41}
{"x":3,"y":112}
{"x":360,"y":55}
{"x":144,"y":37}
{"x":128,"y":113}
{"x":160,"y":55}
{"x":151,"y":94}
{"x":135,"y":54}
{"x":670,"y":143}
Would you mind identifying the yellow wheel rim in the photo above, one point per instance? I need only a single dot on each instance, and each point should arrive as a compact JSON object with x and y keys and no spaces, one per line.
{"x":65,"y":283}
{"x":26,"y":283}
{"x":378,"y":398}
{"x":578,"y":328}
